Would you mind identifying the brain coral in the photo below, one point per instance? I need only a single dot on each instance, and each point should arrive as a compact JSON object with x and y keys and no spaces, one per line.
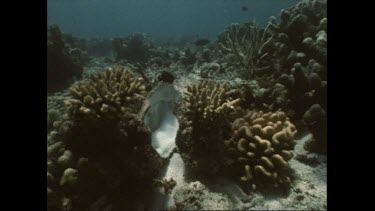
{"x":260,"y":147}
{"x":107,"y":95}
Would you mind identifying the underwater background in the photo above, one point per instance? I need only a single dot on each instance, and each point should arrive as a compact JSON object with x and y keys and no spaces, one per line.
{"x":160,"y":19}
{"x":186,"y":105}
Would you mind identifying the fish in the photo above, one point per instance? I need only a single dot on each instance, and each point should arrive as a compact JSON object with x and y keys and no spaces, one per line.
{"x":201,"y":42}
{"x":244,"y":8}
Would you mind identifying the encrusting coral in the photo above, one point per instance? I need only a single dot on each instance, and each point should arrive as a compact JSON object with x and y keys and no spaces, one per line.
{"x":260,"y":147}
{"x":106,"y":95}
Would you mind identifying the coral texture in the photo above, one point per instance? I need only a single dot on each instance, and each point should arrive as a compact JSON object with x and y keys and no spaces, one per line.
{"x":107,"y":95}
{"x":67,"y":175}
{"x":316,"y":120}
{"x":208,"y":101}
{"x":260,"y":147}
{"x":249,"y":45}
{"x":203,"y":123}
{"x":308,"y":87}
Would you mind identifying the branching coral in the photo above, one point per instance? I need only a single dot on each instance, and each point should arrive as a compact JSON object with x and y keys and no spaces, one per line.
{"x":107,"y":95}
{"x":260,"y":147}
{"x":105,"y":127}
{"x":203,"y":121}
{"x":208,"y":100}
{"x":250,"y":47}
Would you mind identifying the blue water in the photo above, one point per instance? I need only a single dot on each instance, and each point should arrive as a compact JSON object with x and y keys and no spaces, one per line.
{"x":161,"y":19}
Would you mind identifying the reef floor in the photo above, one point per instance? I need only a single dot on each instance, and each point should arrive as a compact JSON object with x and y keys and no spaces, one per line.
{"x":308,"y":189}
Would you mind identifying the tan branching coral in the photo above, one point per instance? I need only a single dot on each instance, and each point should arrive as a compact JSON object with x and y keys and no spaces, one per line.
{"x":208,"y":100}
{"x":261,"y":145}
{"x":204,"y":118}
{"x":106,"y":95}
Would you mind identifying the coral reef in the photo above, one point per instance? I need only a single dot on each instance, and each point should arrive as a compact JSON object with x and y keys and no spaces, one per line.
{"x":99,"y":47}
{"x":160,"y":57}
{"x":121,"y":153}
{"x":265,"y":93}
{"x":238,"y":127}
{"x":53,"y":118}
{"x":316,"y":120}
{"x":107,"y":95}
{"x":303,"y":20}
{"x":78,"y":46}
{"x":104,"y":128}
{"x":295,"y":52}
{"x":63,"y":63}
{"x":207,"y":70}
{"x":301,"y":34}
{"x":75,"y":42}
{"x":196,"y":196}
{"x":306,"y":86}
{"x":189,"y":57}
{"x":250,"y":47}
{"x":203,"y":123}
{"x":68,"y":176}
{"x":260,"y":147}
{"x":208,"y":101}
{"x":134,"y":48}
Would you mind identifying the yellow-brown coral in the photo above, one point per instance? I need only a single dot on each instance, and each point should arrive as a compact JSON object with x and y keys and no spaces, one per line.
{"x":106,"y":95}
{"x":209,"y":99}
{"x":261,"y":144}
